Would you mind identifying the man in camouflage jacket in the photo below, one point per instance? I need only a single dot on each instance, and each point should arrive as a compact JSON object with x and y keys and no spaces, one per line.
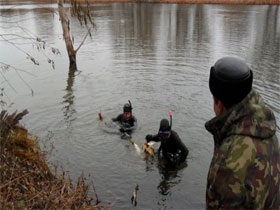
{"x":245,"y":168}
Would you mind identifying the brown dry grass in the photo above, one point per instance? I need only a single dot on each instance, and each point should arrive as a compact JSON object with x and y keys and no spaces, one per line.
{"x":26,"y":181}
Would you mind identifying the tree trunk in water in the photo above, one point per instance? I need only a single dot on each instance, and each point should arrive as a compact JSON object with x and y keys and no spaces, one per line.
{"x":66,"y":35}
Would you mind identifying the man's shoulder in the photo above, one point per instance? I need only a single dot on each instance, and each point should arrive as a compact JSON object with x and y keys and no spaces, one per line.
{"x":239,"y":152}
{"x":239,"y":143}
{"x":175,"y":134}
{"x":133,"y":118}
{"x":120,"y":116}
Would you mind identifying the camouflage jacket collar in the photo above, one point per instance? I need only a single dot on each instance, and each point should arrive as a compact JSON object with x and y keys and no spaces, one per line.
{"x":250,"y":117}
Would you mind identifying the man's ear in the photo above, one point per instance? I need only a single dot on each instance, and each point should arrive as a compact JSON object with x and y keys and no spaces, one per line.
{"x":219,"y":107}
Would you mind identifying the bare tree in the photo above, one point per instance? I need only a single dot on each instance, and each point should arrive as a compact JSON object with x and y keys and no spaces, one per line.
{"x":79,"y":11}
{"x":82,"y":13}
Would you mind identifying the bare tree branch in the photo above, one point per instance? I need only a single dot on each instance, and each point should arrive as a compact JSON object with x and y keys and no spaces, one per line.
{"x":85,"y":37}
{"x":7,"y":67}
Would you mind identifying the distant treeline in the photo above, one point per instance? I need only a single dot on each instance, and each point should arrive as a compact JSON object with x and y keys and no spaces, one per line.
{"x":248,"y":2}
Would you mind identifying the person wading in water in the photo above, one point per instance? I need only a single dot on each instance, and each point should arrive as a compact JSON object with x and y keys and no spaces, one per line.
{"x":127,"y":121}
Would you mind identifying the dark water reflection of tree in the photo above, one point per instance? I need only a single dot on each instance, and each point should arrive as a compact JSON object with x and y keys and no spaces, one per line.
{"x":68,"y":99}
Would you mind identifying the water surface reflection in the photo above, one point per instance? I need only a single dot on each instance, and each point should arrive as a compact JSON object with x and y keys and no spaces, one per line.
{"x":156,"y":55}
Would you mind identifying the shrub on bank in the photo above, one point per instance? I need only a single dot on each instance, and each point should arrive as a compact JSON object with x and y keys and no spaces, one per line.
{"x":26,"y":181}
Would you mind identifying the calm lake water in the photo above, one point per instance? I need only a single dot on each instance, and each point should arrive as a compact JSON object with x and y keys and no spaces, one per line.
{"x":156,"y":55}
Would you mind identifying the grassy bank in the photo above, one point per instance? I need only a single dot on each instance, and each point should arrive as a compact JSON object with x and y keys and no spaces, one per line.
{"x":27,"y":182}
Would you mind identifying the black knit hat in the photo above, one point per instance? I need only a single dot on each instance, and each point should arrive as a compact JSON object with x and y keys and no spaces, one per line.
{"x":230,"y":80}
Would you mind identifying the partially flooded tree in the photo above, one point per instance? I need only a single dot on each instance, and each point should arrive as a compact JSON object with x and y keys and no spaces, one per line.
{"x":21,"y":35}
{"x":28,"y":183}
{"x":83,"y":14}
{"x":77,"y":10}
